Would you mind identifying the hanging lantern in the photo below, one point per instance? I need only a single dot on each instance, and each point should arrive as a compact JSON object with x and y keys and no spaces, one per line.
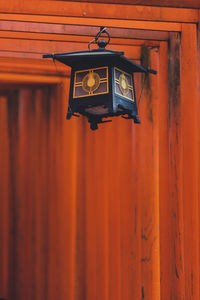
{"x":102,"y":83}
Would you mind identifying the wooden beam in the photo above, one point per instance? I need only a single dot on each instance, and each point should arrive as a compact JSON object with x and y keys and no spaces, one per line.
{"x":29,"y":78}
{"x":75,"y":33}
{"x":168,"y":3}
{"x":34,"y":66}
{"x":117,"y":23}
{"x":99,"y":10}
{"x":74,"y":39}
{"x":41,"y":47}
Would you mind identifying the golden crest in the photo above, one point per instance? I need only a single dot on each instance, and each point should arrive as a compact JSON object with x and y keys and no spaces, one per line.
{"x":91,"y":82}
{"x":123,"y":84}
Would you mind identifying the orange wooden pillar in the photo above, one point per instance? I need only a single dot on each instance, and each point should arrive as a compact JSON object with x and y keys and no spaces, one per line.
{"x":190,"y":158}
{"x":147,"y":183}
{"x":4,"y":204}
{"x":164,"y":175}
{"x":175,"y":172}
{"x":66,"y":173}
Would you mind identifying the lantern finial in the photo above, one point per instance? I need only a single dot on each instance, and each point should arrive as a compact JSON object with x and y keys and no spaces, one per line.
{"x":101,"y":43}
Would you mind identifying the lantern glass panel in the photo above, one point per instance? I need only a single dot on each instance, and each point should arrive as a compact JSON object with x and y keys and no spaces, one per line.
{"x":124,"y":84}
{"x":90,"y":82}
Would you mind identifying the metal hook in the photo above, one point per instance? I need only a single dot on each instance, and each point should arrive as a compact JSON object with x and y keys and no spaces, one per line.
{"x":102,"y":30}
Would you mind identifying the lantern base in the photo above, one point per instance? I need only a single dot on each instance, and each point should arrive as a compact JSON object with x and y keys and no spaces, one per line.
{"x":95,"y":115}
{"x":94,"y":121}
{"x":97,"y":110}
{"x":136,"y":120}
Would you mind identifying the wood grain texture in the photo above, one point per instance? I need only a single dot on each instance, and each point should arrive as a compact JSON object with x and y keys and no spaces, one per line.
{"x":175,"y":173}
{"x":4,"y":205}
{"x":168,"y":3}
{"x":190,"y":156}
{"x":98,"y":10}
{"x":73,"y":33}
{"x":147,"y":183}
{"x":41,"y":47}
{"x":164,"y":174}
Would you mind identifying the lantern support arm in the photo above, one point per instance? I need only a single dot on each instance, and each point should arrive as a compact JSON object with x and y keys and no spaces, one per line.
{"x":151,"y":71}
{"x":48,"y":56}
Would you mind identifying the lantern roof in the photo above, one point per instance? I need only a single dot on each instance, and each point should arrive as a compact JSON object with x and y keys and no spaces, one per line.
{"x":97,"y":57}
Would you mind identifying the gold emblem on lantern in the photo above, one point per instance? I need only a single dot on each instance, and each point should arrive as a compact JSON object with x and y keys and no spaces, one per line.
{"x":91,"y":82}
{"x":123,"y":84}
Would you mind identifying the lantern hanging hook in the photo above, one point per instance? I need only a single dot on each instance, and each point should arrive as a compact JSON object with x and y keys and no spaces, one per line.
{"x":103,"y":43}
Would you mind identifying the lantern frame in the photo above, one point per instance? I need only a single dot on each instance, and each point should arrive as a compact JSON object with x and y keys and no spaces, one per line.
{"x":99,"y":106}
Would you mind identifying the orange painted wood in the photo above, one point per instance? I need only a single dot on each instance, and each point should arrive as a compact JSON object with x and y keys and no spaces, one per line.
{"x":130,"y":223}
{"x":4,"y":205}
{"x":31,"y":79}
{"x":102,"y":231}
{"x":147,"y":185}
{"x":95,"y":10}
{"x":190,"y":155}
{"x":42,"y":47}
{"x":124,"y":35}
{"x":40,"y":210}
{"x":108,"y":22}
{"x":66,"y":209}
{"x":198,"y":94}
{"x":156,"y":258}
{"x":43,"y":220}
{"x":34,"y":66}
{"x":136,"y":274}
{"x":25,"y":207}
{"x":164,"y":174}
{"x":91,"y":217}
{"x":177,"y":274}
{"x":114,"y":216}
{"x":176,"y":3}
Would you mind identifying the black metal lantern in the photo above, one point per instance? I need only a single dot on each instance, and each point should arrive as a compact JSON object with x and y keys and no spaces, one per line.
{"x":102,"y":83}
